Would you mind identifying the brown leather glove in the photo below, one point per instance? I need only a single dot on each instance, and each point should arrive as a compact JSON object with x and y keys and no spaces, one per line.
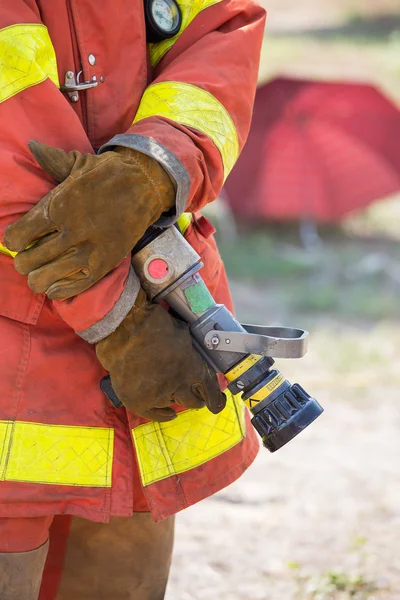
{"x":91,"y":221}
{"x":152,"y":364}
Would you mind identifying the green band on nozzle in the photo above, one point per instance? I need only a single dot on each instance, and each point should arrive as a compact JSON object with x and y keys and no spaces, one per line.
{"x":198,"y":297}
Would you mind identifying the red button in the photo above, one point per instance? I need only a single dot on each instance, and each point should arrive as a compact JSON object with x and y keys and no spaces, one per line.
{"x":157,"y":268}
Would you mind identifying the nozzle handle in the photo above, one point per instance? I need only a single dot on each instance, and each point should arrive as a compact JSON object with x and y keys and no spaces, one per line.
{"x":274,"y":342}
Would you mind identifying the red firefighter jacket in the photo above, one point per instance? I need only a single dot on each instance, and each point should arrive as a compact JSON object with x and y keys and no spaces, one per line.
{"x":187,"y":102}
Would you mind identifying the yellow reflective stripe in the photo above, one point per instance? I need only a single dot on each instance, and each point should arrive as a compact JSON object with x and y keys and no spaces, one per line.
{"x":5,"y":250}
{"x":194,"y":107}
{"x":184,"y":221}
{"x":56,"y":454}
{"x":27,"y":58}
{"x":193,"y":438}
{"x":189,"y":9}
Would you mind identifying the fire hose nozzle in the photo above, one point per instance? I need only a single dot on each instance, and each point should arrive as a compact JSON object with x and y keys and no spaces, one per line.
{"x":168,"y":267}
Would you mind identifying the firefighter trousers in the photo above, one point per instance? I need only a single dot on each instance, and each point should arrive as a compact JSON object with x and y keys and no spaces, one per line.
{"x":127,"y":558}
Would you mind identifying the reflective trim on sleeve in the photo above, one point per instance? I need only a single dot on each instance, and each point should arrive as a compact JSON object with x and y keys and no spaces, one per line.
{"x":194,"y":107}
{"x":167,"y":159}
{"x":190,"y":440}
{"x":27,"y":58}
{"x":116,"y":315}
{"x":56,"y":454}
{"x":190,"y":9}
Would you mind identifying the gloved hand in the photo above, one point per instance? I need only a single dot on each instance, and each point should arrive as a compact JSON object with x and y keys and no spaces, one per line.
{"x":152,"y":364}
{"x":91,"y":221}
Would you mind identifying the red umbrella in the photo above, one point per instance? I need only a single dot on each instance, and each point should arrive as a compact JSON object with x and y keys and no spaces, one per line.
{"x":316,"y":150}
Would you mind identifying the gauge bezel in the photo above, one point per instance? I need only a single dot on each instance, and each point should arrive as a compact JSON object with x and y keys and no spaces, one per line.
{"x":154,"y":32}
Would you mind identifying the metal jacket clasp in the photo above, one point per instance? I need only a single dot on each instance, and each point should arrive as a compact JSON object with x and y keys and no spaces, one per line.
{"x":73,"y":86}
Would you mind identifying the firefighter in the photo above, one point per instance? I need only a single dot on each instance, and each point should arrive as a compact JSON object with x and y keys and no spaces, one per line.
{"x":114,"y":116}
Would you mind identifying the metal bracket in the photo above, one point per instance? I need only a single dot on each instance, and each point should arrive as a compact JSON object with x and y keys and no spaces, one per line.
{"x":274,"y":342}
{"x":73,"y":86}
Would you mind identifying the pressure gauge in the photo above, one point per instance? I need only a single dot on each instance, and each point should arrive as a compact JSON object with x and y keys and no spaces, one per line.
{"x":163,"y":19}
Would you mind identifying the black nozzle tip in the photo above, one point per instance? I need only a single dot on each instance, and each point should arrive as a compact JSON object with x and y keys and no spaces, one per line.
{"x":311,"y":411}
{"x":285,"y":417}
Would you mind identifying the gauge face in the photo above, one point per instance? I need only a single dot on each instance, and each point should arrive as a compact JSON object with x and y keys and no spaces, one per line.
{"x":166,"y":15}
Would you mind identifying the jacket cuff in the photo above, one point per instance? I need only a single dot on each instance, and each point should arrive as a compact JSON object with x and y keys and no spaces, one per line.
{"x":109,"y":323}
{"x":168,"y":160}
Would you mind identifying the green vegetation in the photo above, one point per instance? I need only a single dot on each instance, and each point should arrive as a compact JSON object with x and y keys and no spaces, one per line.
{"x":341,"y":586}
{"x":336,"y":584}
{"x":350,"y":275}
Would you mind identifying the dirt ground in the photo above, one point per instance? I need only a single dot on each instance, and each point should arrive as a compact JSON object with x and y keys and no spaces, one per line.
{"x":319,"y":519}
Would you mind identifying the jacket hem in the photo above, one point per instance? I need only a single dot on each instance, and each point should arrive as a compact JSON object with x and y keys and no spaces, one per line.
{"x":215,"y":486}
{"x":45,"y":509}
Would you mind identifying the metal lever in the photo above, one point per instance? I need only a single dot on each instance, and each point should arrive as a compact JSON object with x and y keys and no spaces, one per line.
{"x":73,"y":86}
{"x":274,"y":342}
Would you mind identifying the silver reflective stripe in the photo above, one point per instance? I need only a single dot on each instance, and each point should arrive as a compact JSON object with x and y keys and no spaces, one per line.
{"x":167,"y":159}
{"x":116,"y":315}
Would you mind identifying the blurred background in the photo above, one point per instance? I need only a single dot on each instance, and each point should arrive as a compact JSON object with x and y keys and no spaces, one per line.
{"x":309,"y":227}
